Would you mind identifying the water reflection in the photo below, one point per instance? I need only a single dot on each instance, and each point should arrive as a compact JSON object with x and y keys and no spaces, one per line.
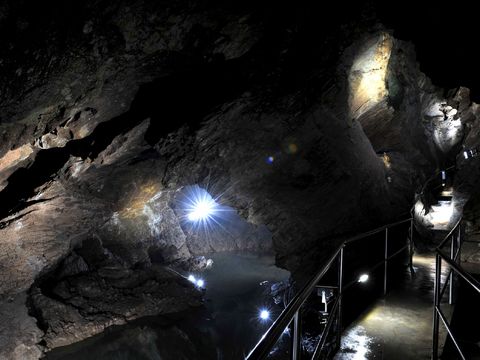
{"x":227,"y":327}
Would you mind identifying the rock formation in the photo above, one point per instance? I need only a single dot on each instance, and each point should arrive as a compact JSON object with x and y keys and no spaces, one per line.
{"x":110,"y":112}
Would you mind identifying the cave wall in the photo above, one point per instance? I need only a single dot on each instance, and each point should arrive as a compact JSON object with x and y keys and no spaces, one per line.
{"x":468,"y":170}
{"x":308,"y":131}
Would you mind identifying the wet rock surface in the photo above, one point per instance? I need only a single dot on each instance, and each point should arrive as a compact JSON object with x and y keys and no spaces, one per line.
{"x":19,"y":334}
{"x":110,"y":111}
{"x":92,"y":290}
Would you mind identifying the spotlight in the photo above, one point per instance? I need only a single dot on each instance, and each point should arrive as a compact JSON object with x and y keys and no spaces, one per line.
{"x":202,"y":209}
{"x":264,"y":315}
{"x":363,"y":278}
{"x":192,"y":279}
{"x":200,"y":283}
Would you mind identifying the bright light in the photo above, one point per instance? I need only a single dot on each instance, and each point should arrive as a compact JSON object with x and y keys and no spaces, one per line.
{"x":198,"y":206}
{"x":264,"y":315}
{"x":465,"y":155}
{"x":438,"y":217}
{"x":203,"y":209}
{"x":363,"y":278}
{"x":368,"y":75}
{"x":200,"y":283}
{"x":442,"y":213}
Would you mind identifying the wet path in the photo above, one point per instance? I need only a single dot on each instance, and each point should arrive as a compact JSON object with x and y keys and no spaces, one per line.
{"x":398,"y":326}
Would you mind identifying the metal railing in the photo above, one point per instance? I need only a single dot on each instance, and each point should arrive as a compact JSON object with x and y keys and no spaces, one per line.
{"x":456,"y":239}
{"x":291,"y":315}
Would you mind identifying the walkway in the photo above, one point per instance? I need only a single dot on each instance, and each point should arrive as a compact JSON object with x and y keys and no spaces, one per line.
{"x":398,"y":326}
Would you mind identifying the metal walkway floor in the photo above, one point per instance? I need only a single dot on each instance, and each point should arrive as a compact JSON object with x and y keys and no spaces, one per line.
{"x":400,"y":325}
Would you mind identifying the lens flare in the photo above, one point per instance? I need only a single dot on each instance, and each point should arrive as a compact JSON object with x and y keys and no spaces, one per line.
{"x":202,"y":210}
{"x":264,"y":315}
{"x":199,"y":206}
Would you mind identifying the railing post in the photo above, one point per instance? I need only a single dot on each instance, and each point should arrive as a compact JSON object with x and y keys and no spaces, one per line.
{"x":452,"y":256}
{"x":386,"y":263}
{"x":296,"y":338}
{"x":340,"y":290}
{"x":436,"y":303}
{"x":460,"y":238}
{"x":459,"y":242}
{"x":411,"y":250}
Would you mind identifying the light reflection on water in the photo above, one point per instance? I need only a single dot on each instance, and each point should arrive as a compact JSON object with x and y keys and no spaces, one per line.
{"x":226,"y":328}
{"x":236,"y":294}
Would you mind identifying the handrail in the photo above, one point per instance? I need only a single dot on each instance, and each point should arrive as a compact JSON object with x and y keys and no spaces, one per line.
{"x":269,"y":339}
{"x":444,"y":241}
{"x":458,"y":269}
{"x":449,"y":330}
{"x":290,"y":315}
{"x":453,"y":262}
{"x":375,"y":231}
{"x":328,"y":325}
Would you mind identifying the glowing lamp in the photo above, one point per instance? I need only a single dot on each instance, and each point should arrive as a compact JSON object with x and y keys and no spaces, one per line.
{"x":192,"y":279}
{"x":264,"y":315}
{"x":202,"y":209}
{"x":363,"y":278}
{"x":200,"y":283}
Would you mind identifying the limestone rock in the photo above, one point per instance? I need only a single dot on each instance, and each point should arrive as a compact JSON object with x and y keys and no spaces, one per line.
{"x":19,"y":332}
{"x":91,"y":290}
{"x":303,"y":131}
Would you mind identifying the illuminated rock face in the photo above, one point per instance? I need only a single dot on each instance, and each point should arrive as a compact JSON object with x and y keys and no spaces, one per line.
{"x":12,"y":160}
{"x":368,"y":74}
{"x":447,"y":126}
{"x":132,"y":105}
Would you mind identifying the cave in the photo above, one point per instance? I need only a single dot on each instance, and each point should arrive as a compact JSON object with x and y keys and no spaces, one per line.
{"x":232,"y":180}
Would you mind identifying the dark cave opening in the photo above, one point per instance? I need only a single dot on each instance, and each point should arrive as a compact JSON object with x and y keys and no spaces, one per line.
{"x":441,"y":38}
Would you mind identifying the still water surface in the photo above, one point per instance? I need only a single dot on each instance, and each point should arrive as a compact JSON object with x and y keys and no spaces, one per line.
{"x":227,"y":327}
